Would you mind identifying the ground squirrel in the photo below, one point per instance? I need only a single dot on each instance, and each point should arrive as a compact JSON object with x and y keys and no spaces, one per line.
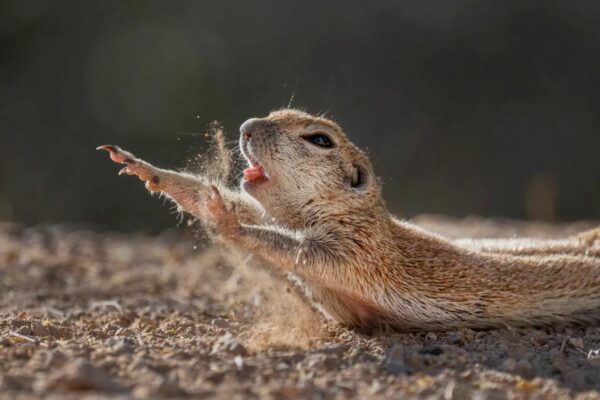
{"x":310,"y":204}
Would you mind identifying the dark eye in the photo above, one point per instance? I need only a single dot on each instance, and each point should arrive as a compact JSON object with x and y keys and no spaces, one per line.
{"x":319,"y":139}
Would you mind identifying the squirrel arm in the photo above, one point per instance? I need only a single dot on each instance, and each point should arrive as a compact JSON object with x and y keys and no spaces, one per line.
{"x":305,"y":253}
{"x":188,"y":191}
{"x":290,"y":250}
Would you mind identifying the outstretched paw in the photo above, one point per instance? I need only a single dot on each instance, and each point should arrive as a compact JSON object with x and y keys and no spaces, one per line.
{"x":226,"y":220}
{"x":134,"y":166}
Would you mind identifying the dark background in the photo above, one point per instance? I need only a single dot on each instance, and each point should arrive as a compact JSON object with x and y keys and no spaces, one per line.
{"x":466,"y":107}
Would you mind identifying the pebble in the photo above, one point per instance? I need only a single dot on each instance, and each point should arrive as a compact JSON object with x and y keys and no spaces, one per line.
{"x":322,"y":362}
{"x":55,"y":358}
{"x":169,"y":386}
{"x":220,"y":323}
{"x":122,"y":345}
{"x":337,"y":350}
{"x":433,"y":350}
{"x":228,"y":344}
{"x":395,"y":362}
{"x":455,"y":337}
{"x":296,"y":392}
{"x":520,"y":367}
{"x":13,"y":382}
{"x":576,"y":342}
{"x":80,"y":375}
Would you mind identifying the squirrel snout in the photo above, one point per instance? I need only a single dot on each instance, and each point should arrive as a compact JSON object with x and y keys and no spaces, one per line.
{"x":248,"y":127}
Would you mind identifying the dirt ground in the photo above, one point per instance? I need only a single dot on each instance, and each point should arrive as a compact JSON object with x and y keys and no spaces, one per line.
{"x":94,"y":315}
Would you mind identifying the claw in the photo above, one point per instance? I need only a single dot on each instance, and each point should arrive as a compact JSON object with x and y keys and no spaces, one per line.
{"x":117,"y":154}
{"x":107,"y":147}
{"x":134,"y":166}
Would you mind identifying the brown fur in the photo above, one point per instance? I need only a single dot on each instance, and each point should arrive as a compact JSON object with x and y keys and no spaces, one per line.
{"x":360,"y":265}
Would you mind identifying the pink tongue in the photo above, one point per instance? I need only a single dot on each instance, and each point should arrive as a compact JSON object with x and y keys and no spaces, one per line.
{"x":253,"y":173}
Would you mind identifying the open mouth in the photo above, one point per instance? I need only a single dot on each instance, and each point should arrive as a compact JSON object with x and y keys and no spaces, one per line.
{"x":255,"y":172}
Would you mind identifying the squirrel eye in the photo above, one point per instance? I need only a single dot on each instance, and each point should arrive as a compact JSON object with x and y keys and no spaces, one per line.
{"x":319,"y":139}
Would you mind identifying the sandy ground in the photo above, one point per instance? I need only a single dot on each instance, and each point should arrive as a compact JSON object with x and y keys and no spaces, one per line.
{"x":94,"y":315}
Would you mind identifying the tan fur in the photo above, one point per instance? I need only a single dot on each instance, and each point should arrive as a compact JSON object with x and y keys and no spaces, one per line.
{"x":361,"y":266}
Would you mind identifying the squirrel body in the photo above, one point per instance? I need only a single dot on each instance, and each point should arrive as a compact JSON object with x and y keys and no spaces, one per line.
{"x":310,"y":204}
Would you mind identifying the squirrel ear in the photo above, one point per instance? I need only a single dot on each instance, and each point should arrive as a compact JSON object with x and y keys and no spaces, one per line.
{"x":359,"y":177}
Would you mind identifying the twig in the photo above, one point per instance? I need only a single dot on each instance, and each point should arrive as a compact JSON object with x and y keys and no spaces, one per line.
{"x":107,"y":303}
{"x":562,"y":345}
{"x":55,"y":311}
{"x":24,"y":337}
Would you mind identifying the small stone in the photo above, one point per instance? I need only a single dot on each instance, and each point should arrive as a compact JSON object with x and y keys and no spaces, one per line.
{"x":337,"y":350}
{"x":576,"y":342}
{"x":495,"y":394}
{"x":431,"y":337}
{"x":228,"y":344}
{"x":415,"y":362}
{"x":520,"y":367}
{"x":455,"y":337}
{"x":322,"y":362}
{"x":123,"y":345}
{"x":220,"y":323}
{"x":215,"y":377}
{"x":239,"y":362}
{"x":540,"y":340}
{"x":433,"y":350}
{"x":559,"y":362}
{"x":80,"y":375}
{"x":578,"y":378}
{"x":296,"y":392}
{"x":124,"y":332}
{"x":282,"y":366}
{"x":138,"y":362}
{"x":24,"y":330}
{"x":236,"y":348}
{"x":395,"y":363}
{"x":14,"y":382}
{"x":54,"y":359}
{"x":169,"y":387}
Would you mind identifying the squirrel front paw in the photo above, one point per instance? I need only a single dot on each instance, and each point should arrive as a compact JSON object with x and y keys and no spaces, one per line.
{"x":134,"y":166}
{"x":225,"y":220}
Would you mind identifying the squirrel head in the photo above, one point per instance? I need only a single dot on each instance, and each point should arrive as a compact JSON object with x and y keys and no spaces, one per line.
{"x":301,"y":165}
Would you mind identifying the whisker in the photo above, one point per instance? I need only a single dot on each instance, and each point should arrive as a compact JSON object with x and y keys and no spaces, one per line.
{"x":293,"y":92}
{"x":329,"y":91}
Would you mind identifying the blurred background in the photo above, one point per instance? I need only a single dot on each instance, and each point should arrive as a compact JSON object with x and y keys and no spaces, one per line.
{"x":466,"y":107}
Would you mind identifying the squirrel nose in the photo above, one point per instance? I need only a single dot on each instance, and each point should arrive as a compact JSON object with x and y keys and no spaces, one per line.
{"x":248,"y":126}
